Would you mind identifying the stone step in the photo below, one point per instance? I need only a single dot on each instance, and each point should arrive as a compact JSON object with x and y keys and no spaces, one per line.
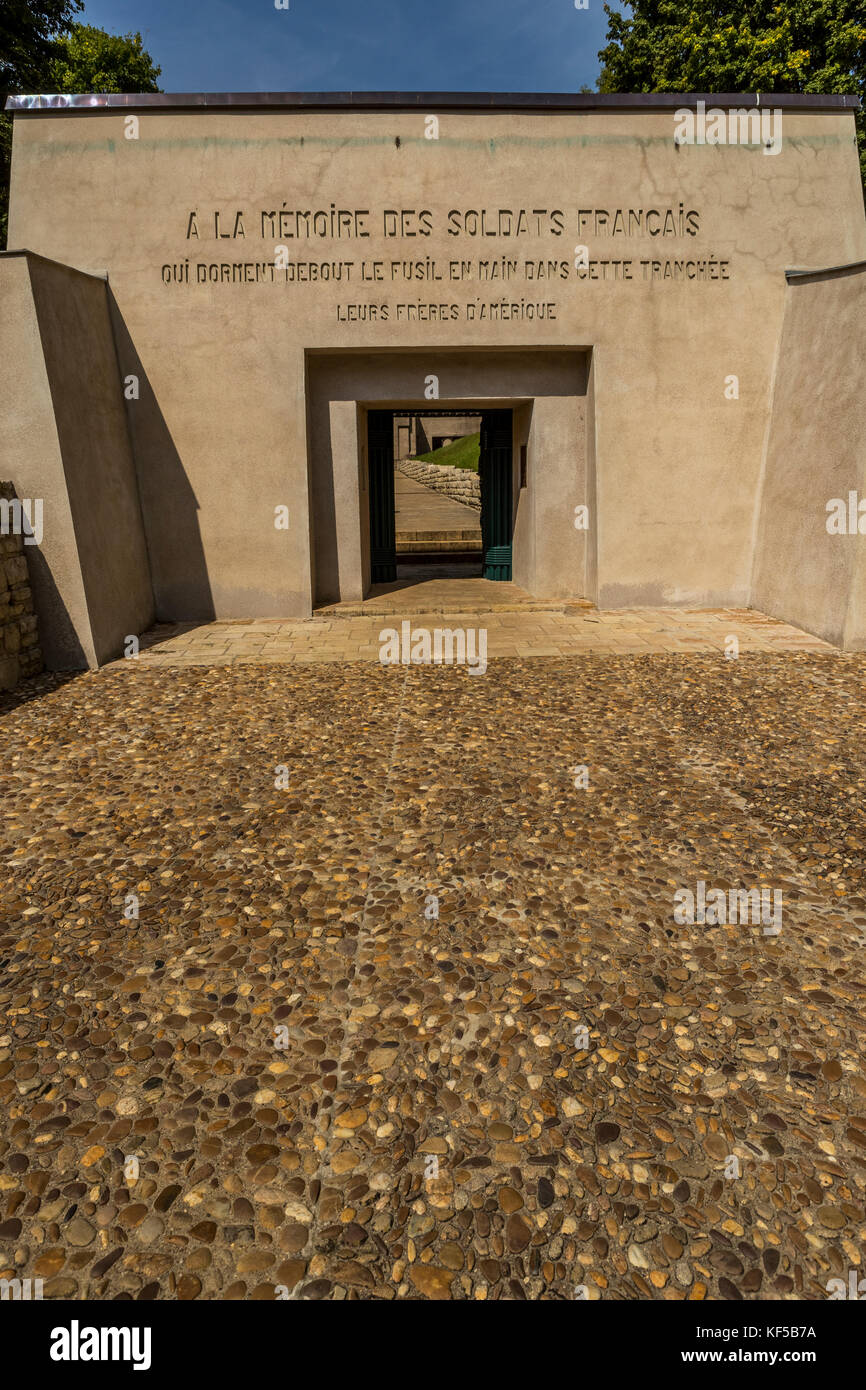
{"x":426,"y":542}
{"x":370,"y":608}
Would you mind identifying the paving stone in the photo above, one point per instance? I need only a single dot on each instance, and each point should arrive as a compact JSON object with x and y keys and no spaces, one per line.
{"x":341,"y":1038}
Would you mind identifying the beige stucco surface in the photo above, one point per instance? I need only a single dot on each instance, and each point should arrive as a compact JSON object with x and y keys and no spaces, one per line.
{"x":64,"y":439}
{"x":30,"y":456}
{"x":222,"y":436}
{"x":815,"y":452}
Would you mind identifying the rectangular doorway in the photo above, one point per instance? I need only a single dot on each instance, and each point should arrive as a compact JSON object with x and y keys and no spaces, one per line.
{"x":462,"y":495}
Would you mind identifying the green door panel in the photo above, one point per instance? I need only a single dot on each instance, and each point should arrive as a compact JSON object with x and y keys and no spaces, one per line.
{"x":380,"y":455}
{"x":494,"y":467}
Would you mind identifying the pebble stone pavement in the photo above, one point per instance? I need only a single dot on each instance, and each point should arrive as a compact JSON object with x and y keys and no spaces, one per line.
{"x":430,"y":1127}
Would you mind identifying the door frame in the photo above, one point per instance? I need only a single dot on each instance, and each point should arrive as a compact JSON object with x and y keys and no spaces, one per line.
{"x":497,"y":507}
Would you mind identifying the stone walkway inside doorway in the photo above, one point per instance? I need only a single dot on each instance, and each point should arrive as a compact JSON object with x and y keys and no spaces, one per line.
{"x":450,"y":587}
{"x":417,"y":506}
{"x":516,"y":626}
{"x":428,"y":521}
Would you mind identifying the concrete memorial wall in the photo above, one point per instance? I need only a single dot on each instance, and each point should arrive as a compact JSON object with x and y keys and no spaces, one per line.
{"x":271,"y":267}
{"x":815,"y":466}
{"x":64,"y":440}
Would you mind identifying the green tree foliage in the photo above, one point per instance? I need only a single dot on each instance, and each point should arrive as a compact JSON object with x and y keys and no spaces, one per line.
{"x":90,"y":60}
{"x":738,"y":46}
{"x":29,"y":30}
{"x":42,"y":49}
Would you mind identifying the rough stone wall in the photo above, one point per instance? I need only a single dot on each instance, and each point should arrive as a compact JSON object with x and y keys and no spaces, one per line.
{"x":461,"y":484}
{"x":19,"y":640}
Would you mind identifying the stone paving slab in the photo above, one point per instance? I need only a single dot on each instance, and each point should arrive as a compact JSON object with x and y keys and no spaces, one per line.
{"x":439,"y":593}
{"x":420,"y":508}
{"x":405,"y":1010}
{"x":526,"y":633}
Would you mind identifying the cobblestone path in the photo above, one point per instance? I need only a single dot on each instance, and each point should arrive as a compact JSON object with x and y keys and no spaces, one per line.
{"x":332,"y":981}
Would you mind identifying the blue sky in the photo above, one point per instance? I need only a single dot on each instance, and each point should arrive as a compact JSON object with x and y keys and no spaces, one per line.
{"x":343,"y":45}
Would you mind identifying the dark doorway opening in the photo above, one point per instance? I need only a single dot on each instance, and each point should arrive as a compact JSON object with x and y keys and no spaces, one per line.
{"x":425,"y":518}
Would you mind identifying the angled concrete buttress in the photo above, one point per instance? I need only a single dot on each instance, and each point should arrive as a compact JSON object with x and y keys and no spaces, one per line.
{"x":64,"y":439}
